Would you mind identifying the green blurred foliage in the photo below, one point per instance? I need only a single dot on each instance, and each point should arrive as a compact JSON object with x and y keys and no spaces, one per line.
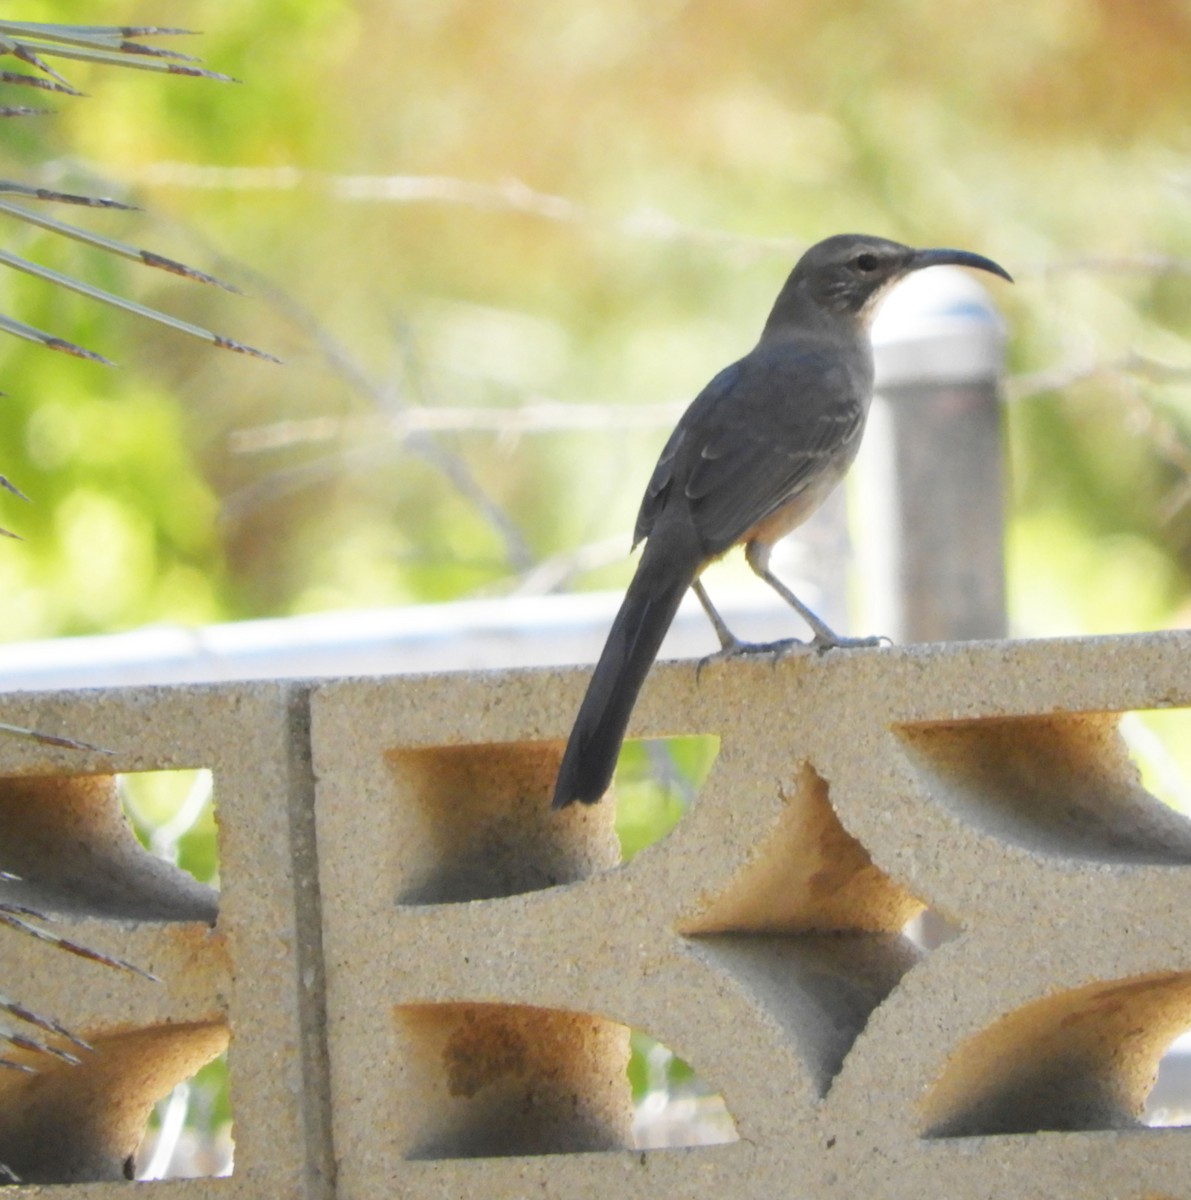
{"x":172,"y":814}
{"x":654,"y":1068}
{"x":211,"y":1105}
{"x":1040,"y":135}
{"x":1160,"y":742}
{"x":656,"y":782}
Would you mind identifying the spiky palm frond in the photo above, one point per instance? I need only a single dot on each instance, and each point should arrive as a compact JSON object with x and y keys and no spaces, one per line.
{"x":30,"y":922}
{"x":18,"y":918}
{"x":33,"y":44}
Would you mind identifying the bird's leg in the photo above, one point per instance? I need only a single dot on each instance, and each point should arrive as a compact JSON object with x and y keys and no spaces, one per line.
{"x":730,"y":645}
{"x":729,"y":642}
{"x":825,"y":637}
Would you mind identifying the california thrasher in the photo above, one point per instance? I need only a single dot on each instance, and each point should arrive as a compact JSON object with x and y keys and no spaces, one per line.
{"x":753,"y":456}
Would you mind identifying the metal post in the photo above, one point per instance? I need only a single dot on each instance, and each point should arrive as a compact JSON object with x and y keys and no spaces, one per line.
{"x":930,"y":505}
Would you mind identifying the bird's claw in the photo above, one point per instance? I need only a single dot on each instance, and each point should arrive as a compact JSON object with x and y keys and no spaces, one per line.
{"x":725,"y":652}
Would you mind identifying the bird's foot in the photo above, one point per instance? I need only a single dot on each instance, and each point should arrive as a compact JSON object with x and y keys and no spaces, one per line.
{"x":822,"y":642}
{"x":782,"y":648}
{"x":741,"y":649}
{"x":776,"y":651}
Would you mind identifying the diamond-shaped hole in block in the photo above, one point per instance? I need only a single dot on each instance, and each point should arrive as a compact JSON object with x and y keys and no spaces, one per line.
{"x":475,"y":822}
{"x":78,"y":1122}
{"x":818,"y":989}
{"x":1063,"y":785}
{"x":806,"y":875}
{"x":810,"y":929}
{"x":69,"y":848}
{"x":496,"y":1080}
{"x":1081,"y":1059}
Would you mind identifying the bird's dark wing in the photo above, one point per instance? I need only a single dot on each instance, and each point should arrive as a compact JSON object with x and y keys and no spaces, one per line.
{"x":781,"y":427}
{"x":658,"y":488}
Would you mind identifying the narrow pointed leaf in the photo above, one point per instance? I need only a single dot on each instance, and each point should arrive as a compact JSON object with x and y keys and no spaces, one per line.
{"x":50,"y":739}
{"x":226,"y":343}
{"x":13,"y":187}
{"x":24,"y":1042}
{"x":50,"y":342}
{"x":95,"y":36}
{"x":176,"y":268}
{"x":154,"y":52}
{"x":27,"y":55}
{"x":70,"y":947}
{"x":150,"y":314}
{"x":104,"y":243}
{"x":20,"y":79}
{"x":8,"y":485}
{"x":110,"y":58}
{"x":95,"y":50}
{"x":99,"y":33}
{"x":48,"y":1024}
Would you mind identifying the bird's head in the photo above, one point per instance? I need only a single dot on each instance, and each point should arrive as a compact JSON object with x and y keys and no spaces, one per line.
{"x":848,"y":275}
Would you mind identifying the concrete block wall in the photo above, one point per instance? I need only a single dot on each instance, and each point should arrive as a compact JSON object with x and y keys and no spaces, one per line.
{"x":244,"y":964}
{"x":428,"y":978}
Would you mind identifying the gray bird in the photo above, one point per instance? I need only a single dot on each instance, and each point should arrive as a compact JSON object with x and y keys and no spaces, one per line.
{"x":756,"y":453}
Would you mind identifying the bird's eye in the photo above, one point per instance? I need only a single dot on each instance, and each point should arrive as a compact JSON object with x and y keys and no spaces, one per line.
{"x":866,"y":262}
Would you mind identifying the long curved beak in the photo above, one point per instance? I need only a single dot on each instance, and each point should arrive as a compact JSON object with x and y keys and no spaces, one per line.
{"x":957,"y":258}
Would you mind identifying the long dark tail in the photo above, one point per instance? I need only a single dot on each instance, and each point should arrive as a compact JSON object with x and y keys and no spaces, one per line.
{"x":645,"y":614}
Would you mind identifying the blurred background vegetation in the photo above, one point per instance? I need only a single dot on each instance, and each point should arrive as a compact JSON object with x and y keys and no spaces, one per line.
{"x":500,"y":243}
{"x":459,"y":220}
{"x":472,"y":206}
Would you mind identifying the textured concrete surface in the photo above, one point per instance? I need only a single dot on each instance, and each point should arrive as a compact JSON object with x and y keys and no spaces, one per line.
{"x":428,"y":977}
{"x":761,"y":940}
{"x":254,"y":974}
